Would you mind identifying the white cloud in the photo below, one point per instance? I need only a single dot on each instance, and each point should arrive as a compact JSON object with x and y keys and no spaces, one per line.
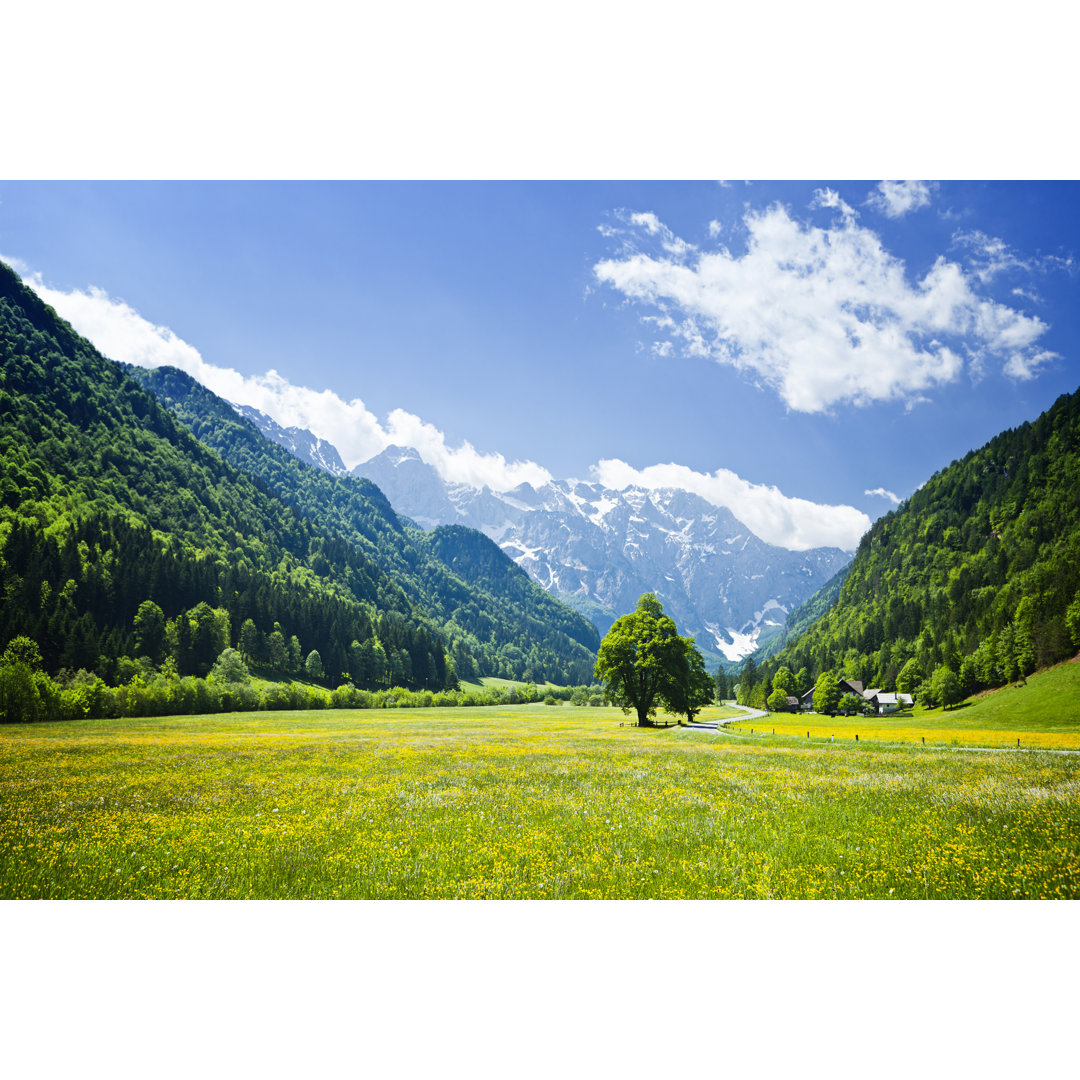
{"x":649,"y":221}
{"x":884,"y":493}
{"x":1027,"y":294}
{"x":653,"y":227}
{"x":796,"y":524}
{"x":821,"y":315}
{"x":830,"y":200}
{"x":895,"y":198}
{"x":121,"y":333}
{"x":1023,"y":366}
{"x":16,"y":264}
{"x":989,"y":256}
{"x":465,"y":464}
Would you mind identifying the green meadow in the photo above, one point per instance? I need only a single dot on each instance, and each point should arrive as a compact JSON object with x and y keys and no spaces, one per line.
{"x":1042,"y":712}
{"x":519,"y":802}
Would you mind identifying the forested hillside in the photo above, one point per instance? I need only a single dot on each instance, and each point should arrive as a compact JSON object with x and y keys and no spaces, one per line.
{"x":122,"y":535}
{"x":978,"y":572}
{"x":507,"y":624}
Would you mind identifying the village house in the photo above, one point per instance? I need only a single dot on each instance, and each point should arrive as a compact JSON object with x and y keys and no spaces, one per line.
{"x":888,"y":703}
{"x":881,"y":701}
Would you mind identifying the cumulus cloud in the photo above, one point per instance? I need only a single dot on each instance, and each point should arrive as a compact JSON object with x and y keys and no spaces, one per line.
{"x":822,"y":315}
{"x":121,"y":333}
{"x":884,"y":493}
{"x":1024,"y":366}
{"x":464,"y":464}
{"x":895,"y":198}
{"x":792,"y":523}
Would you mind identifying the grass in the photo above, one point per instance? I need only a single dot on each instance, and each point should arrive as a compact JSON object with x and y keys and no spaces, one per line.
{"x":1043,"y":713}
{"x":489,"y":682}
{"x":517,"y":802}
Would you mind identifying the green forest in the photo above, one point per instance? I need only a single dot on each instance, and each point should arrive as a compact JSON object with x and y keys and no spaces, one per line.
{"x":127,"y":543}
{"x":975,"y":578}
{"x":507,"y":625}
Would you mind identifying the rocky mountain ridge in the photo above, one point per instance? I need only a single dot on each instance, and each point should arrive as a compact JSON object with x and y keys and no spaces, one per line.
{"x":300,"y":442}
{"x":599,"y":549}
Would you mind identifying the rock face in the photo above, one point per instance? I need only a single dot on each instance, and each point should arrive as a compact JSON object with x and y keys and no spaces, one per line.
{"x":600,"y":549}
{"x":300,"y":442}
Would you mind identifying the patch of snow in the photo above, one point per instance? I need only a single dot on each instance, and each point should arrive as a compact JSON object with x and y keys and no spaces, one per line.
{"x":740,"y":646}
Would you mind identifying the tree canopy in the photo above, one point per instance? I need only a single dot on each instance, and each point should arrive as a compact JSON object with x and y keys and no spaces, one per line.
{"x":644,"y":664}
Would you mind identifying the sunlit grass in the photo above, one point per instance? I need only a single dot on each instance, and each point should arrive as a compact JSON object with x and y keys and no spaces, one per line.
{"x":517,"y":802}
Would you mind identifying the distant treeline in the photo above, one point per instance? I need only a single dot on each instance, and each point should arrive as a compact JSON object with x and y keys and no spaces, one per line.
{"x":28,"y":694}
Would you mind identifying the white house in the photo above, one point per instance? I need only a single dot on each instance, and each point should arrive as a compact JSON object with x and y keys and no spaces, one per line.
{"x":888,"y":703}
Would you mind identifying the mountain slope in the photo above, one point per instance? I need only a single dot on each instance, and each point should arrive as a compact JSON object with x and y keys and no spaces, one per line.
{"x":107,"y":501}
{"x":497,"y":615}
{"x":979,"y":570}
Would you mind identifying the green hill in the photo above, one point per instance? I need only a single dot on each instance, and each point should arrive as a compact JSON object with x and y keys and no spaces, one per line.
{"x":108,"y":502}
{"x":979,"y":571}
{"x":507,"y":624}
{"x":1044,"y":703}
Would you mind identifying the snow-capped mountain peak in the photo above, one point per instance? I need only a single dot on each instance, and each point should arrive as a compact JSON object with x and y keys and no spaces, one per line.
{"x":599,"y":548}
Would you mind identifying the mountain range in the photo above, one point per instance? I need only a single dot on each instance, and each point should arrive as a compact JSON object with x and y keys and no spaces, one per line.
{"x":598,"y":549}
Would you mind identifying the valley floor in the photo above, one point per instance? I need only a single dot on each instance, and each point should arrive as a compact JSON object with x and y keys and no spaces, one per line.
{"x":518,"y":802}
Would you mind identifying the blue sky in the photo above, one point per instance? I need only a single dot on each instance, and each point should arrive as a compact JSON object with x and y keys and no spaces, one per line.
{"x":789,"y":347}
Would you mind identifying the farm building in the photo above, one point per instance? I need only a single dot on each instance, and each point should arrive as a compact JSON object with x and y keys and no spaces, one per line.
{"x":888,"y":703}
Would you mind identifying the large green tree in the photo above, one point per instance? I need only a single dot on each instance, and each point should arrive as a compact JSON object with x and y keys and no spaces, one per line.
{"x":640,"y":659}
{"x":945,"y":689}
{"x":907,"y":682}
{"x":692,"y":687}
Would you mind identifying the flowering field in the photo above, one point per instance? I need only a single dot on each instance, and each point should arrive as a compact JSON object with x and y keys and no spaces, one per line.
{"x":518,"y":802}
